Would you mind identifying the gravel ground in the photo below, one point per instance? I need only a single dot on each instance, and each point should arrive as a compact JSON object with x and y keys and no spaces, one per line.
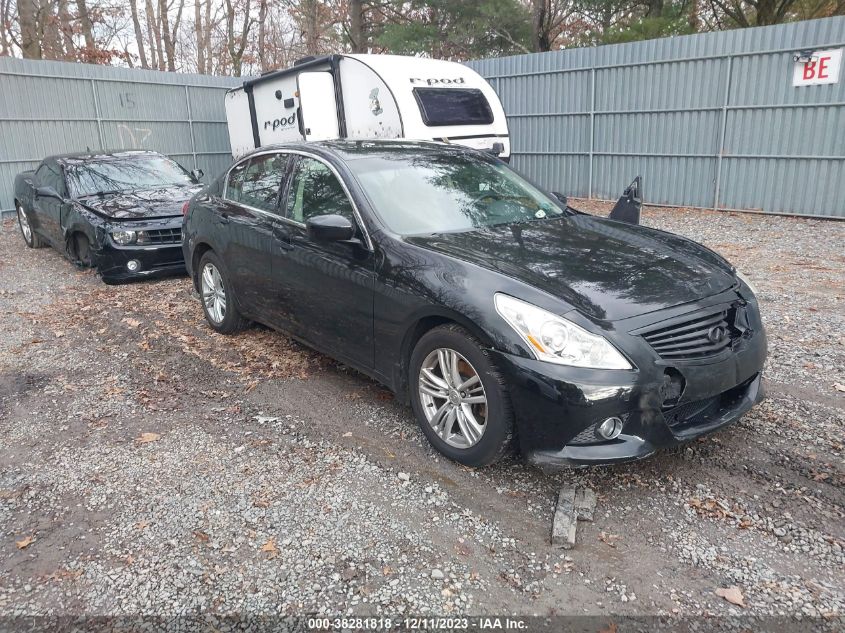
{"x":150,"y":466}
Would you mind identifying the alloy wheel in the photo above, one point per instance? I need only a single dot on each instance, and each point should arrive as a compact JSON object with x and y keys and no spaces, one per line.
{"x":24,"y":224}
{"x":453,"y":398}
{"x":213,"y":293}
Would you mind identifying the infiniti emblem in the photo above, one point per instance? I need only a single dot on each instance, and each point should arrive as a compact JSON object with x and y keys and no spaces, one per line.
{"x":716,"y":334}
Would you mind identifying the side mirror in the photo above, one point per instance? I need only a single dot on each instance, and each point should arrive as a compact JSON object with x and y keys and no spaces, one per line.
{"x":197,"y":174}
{"x":48,"y":192}
{"x":329,"y":228}
{"x":629,"y":206}
{"x":562,"y":198}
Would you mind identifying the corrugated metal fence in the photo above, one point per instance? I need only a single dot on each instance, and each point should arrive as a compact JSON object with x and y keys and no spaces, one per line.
{"x":56,"y":107}
{"x":708,"y":120}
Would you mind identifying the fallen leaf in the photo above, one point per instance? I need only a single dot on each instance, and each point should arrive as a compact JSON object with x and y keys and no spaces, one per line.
{"x":731,"y":594}
{"x":201,"y":536}
{"x":26,"y":542}
{"x":131,"y":322}
{"x":611,"y":628}
{"x":142,"y":525}
{"x":347,"y":434}
{"x":146,"y":438}
{"x":608,"y":539}
{"x":270,"y":547}
{"x":839,"y":386}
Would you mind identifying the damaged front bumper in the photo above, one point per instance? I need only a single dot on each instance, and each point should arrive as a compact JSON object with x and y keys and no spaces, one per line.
{"x":559,"y":409}
{"x":159,"y":255}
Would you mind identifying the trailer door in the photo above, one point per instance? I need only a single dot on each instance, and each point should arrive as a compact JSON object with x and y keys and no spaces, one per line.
{"x":318,"y":106}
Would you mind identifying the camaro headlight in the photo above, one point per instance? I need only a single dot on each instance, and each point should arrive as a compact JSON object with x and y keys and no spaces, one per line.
{"x":555,"y":339}
{"x":123,"y":237}
{"x":747,"y":282}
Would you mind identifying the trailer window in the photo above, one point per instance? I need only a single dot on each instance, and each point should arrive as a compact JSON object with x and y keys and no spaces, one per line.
{"x":453,"y":106}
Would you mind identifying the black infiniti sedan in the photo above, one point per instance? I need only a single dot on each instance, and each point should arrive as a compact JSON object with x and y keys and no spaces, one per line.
{"x":118,"y":212}
{"x":499,"y":312}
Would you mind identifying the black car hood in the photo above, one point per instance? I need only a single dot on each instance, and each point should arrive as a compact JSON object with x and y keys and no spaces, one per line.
{"x":141,"y":204}
{"x":606,"y":270}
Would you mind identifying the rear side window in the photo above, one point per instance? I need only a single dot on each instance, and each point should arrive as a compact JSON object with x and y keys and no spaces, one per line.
{"x":453,"y":106}
{"x":262,"y":179}
{"x":256,"y":182}
{"x":235,"y":182}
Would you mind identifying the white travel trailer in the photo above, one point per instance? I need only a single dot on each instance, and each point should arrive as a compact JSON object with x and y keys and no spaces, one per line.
{"x":367,"y":96}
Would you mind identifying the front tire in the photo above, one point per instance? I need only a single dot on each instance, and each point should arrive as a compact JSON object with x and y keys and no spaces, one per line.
{"x":30,"y":238}
{"x":218,"y":302}
{"x":459,"y":397}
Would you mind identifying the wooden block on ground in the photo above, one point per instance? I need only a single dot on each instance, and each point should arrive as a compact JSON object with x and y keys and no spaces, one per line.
{"x":585,"y":503}
{"x":565,"y":519}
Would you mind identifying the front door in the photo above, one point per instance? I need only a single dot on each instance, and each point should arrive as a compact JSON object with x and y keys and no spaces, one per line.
{"x":49,"y":209}
{"x":326,"y":287}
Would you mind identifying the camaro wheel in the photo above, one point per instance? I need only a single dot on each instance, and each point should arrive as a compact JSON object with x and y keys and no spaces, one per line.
{"x":459,"y":397}
{"x":32,"y":240}
{"x":217,"y":301}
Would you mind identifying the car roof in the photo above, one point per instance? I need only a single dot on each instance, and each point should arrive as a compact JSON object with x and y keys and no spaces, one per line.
{"x":352,"y":149}
{"x":105,"y":153}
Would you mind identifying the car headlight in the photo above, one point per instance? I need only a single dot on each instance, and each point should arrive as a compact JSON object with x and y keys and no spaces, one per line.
{"x":747,"y":282}
{"x":555,"y":339}
{"x":123,"y":237}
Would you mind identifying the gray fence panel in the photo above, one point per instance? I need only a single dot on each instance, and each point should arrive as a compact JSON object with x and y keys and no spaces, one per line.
{"x":709,"y":120}
{"x":57,"y":107}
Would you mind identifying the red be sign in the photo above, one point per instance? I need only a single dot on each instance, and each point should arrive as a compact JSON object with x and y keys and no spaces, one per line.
{"x":822,"y":68}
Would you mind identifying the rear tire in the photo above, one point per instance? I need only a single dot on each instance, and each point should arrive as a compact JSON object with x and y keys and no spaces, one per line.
{"x":464,"y":411}
{"x":218,"y":301}
{"x":30,"y":237}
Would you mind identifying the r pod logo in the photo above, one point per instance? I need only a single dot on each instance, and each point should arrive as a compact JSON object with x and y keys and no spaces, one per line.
{"x":282,"y":123}
{"x":438,"y":82}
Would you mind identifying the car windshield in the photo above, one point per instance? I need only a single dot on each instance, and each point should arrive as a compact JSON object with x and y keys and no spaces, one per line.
{"x":448,"y":192}
{"x":124,"y":173}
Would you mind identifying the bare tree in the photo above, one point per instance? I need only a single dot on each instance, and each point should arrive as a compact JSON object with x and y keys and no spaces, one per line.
{"x":236,"y":42}
{"x":139,"y":34}
{"x":30,"y":35}
{"x":87,"y":28}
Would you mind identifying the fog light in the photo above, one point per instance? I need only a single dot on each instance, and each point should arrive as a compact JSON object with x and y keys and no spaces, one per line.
{"x":133,"y":265}
{"x":610,"y":428}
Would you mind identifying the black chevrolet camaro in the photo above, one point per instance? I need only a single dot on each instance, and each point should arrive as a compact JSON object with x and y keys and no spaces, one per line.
{"x":119,"y":212}
{"x":499,"y":312}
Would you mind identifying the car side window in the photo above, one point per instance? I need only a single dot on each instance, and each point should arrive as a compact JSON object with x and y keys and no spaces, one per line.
{"x":261,"y":181}
{"x":235,"y":182}
{"x":56,"y":180}
{"x":51,"y":176}
{"x":315,"y":190}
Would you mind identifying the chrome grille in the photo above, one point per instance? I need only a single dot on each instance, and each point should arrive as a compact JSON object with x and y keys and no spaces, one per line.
{"x":162,"y":236}
{"x":693,"y":336}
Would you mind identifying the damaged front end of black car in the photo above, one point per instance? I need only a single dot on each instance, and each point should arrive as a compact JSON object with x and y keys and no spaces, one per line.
{"x":117,"y":212}
{"x":136,"y":235}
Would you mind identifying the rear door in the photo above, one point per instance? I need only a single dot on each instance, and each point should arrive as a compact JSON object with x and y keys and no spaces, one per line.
{"x":245,"y":226}
{"x":326,"y":288}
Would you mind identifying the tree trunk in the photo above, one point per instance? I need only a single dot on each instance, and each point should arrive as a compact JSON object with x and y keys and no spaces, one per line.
{"x":30,"y":36}
{"x":356,"y":26}
{"x":66,"y":28}
{"x":87,"y":29}
{"x":262,"y":18}
{"x":139,"y":34}
{"x":151,"y":26}
{"x":539,"y":16}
